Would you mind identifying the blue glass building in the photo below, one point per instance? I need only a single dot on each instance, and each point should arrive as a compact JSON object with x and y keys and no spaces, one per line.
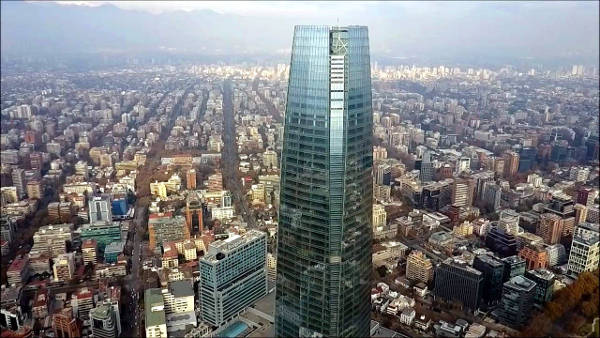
{"x":324,"y":236}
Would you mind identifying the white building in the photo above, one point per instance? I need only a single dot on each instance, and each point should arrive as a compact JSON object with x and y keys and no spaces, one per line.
{"x":407,"y":316}
{"x":584,"y":249}
{"x":154,"y":311}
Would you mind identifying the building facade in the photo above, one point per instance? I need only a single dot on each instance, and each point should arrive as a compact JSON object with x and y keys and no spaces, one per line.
{"x":324,"y":237}
{"x":418,"y":267}
{"x":457,"y":281}
{"x":233,"y":275}
{"x":517,"y":300}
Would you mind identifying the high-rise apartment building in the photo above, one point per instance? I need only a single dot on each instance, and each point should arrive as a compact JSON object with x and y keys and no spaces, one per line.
{"x":511,"y":163}
{"x":462,"y":193}
{"x":34,"y":189}
{"x":82,"y":302}
{"x":581,"y":212}
{"x":190,"y":178}
{"x":233,"y":275}
{"x":89,"y":249}
{"x":550,"y":228}
{"x":324,"y":237}
{"x":215,"y":182}
{"x":418,"y":267}
{"x":18,"y":180}
{"x":270,"y":159}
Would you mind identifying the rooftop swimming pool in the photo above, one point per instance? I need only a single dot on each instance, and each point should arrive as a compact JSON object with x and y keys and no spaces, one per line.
{"x":233,"y":330}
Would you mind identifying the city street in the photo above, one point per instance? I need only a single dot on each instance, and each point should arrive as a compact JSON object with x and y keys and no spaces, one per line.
{"x":230,"y":158}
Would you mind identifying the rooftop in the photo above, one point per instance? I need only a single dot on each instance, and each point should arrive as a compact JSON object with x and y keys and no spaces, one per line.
{"x":101,"y":312}
{"x":491,"y":260}
{"x":181,"y":288}
{"x":230,"y":244}
{"x":153,"y":301}
{"x":542,"y":274}
{"x":520,"y":282}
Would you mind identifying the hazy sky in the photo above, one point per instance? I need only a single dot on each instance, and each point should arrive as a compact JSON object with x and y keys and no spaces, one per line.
{"x":397,"y":29}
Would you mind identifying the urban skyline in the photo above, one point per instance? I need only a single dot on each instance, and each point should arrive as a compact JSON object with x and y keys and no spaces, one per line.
{"x":314,"y":169}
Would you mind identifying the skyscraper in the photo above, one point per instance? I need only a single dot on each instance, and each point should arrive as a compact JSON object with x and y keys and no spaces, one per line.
{"x":324,"y":236}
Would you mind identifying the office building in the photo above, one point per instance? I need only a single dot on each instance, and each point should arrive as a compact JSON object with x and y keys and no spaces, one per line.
{"x":104,"y":234}
{"x":100,"y":210}
{"x":166,"y":228}
{"x":233,"y":275}
{"x":492,"y":194}
{"x":550,"y":228}
{"x":544,"y":284}
{"x":329,"y":97}
{"x":104,"y":322}
{"x":426,"y":169}
{"x":500,"y":242}
{"x":517,"y":300}
{"x":513,"y":266}
{"x":418,"y":267}
{"x":112,"y":251}
{"x":493,"y":277}
{"x":584,"y":249}
{"x":154,"y":312}
{"x":8,"y":228}
{"x":456,"y":281}
{"x":562,"y":205}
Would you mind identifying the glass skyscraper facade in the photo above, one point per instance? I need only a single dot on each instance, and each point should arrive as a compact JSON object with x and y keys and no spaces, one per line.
{"x":324,"y":236}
